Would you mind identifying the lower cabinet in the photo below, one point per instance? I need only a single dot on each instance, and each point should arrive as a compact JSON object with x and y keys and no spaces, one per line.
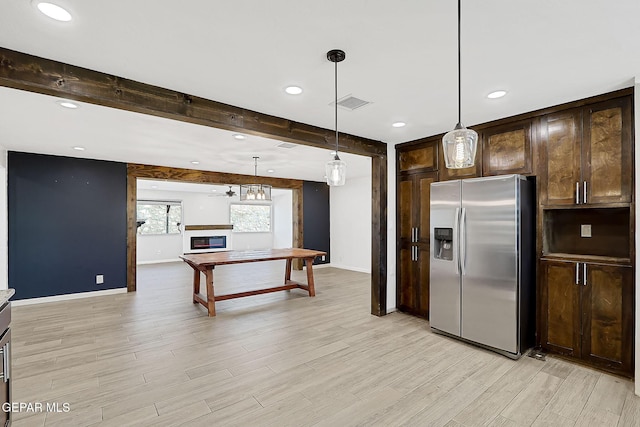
{"x":413,"y":279}
{"x":587,"y":312}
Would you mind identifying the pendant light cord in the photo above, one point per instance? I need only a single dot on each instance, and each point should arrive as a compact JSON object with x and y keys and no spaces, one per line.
{"x":459,"y":72}
{"x":336,"y":107}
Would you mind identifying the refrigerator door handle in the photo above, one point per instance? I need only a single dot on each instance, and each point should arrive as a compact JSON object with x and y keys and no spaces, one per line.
{"x":456,"y":235}
{"x":463,"y":240}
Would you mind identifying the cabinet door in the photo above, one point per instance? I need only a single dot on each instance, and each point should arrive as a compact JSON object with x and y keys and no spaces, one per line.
{"x":424,"y":157}
{"x":407,"y":291}
{"x":445,"y":174}
{"x":607,"y":306}
{"x":422,"y":278}
{"x":606,"y":151}
{"x":560,"y":314}
{"x":423,"y":201}
{"x":563,"y":134}
{"x":506,"y":149}
{"x":406,"y":208}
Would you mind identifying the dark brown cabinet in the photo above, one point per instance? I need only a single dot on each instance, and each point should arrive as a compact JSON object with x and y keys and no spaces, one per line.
{"x":587,"y":312}
{"x":588,"y":153}
{"x":413,"y":242}
{"x":506,"y":149}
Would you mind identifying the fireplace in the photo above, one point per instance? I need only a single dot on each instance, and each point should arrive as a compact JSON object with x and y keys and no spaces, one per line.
{"x":207,"y":238}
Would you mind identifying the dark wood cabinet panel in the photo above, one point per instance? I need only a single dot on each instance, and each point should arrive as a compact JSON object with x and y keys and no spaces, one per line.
{"x":607,"y":151}
{"x":589,"y":154}
{"x":560,"y":307}
{"x":587,"y":312}
{"x":506,"y":149}
{"x":608,"y":316}
{"x":412,"y":287}
{"x":563,"y":142}
{"x":424,"y":157}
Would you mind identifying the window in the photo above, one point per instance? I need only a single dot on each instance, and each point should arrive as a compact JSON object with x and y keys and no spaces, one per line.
{"x":159,"y":217}
{"x":250,"y":218}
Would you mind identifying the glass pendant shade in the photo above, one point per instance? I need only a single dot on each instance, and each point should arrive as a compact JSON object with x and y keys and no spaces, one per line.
{"x":255,"y":192}
{"x":460,"y":147}
{"x":336,"y":171}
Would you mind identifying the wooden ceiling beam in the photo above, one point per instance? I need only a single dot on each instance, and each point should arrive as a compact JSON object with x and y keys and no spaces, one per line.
{"x":34,"y":74}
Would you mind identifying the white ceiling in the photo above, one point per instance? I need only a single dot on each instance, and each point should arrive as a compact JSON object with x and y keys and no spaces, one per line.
{"x":401,"y":56}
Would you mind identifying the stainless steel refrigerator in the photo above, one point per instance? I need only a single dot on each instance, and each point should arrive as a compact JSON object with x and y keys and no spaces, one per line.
{"x":482,"y":275}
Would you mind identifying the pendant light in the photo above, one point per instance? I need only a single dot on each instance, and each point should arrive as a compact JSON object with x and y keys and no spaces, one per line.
{"x":336,"y":169}
{"x":255,"y":192}
{"x":460,"y":144}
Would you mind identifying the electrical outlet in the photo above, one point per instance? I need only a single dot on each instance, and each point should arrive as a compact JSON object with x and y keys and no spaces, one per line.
{"x":99,"y":279}
{"x":585,"y":230}
{"x":323,"y":258}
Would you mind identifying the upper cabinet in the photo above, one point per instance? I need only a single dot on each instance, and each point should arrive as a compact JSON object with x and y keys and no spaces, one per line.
{"x":588,"y":152}
{"x":506,"y":149}
{"x":421,"y":158}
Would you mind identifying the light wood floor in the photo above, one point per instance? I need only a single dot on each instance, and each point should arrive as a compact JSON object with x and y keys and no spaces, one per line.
{"x":284,"y":359}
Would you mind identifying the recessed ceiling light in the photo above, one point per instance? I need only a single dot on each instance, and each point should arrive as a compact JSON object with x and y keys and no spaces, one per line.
{"x":270,"y":171}
{"x":293,"y":90}
{"x":154,"y":186}
{"x":333,"y":153}
{"x":239,"y":136}
{"x":195,"y":162}
{"x":497,"y":94}
{"x":398,"y":124}
{"x":214,"y":190}
{"x":78,"y":148}
{"x":54,"y":11}
{"x":67,"y":104}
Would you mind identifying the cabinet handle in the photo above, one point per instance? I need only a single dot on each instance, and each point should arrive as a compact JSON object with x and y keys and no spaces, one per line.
{"x":417,"y":234}
{"x":5,"y":363}
{"x":577,"y":273}
{"x":577,"y":193}
{"x":584,"y":192}
{"x":415,"y":256}
{"x":584,"y":274}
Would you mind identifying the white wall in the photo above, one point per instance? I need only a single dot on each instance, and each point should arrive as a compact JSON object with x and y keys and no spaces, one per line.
{"x":391,"y":228}
{"x":282,"y":218}
{"x":636,"y":165}
{"x":4,"y":233}
{"x":351,"y":225}
{"x":201,"y":209}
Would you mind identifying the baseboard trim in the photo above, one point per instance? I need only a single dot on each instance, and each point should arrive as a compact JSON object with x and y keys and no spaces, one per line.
{"x":65,"y":297}
{"x":159,"y":261}
{"x":346,"y":267}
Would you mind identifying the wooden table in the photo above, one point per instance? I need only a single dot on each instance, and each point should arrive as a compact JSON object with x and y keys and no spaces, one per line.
{"x":205,"y":263}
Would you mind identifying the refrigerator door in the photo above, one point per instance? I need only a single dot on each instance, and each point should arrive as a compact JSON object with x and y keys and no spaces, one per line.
{"x":489,"y":233}
{"x":444,"y":279}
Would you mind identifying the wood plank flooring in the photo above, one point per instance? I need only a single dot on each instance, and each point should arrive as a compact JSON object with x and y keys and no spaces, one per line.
{"x":153,"y":358}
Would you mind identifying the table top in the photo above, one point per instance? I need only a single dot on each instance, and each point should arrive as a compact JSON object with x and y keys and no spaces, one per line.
{"x":238,"y":257}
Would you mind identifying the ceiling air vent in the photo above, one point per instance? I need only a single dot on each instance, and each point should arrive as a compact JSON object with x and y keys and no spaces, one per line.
{"x":286,"y":145}
{"x":352,"y":103}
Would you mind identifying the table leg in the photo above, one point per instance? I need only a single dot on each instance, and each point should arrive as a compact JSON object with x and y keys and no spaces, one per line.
{"x":211,"y":301}
{"x":287,"y":271}
{"x":312,"y":288}
{"x":196,"y":284}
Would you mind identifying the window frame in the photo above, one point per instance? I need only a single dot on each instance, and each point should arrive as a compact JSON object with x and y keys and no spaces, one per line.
{"x":163,"y":203}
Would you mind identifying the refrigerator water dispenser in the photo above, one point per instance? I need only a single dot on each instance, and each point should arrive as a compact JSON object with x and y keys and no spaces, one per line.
{"x":443,"y":238}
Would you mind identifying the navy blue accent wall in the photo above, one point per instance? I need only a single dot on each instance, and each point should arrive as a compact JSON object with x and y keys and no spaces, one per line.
{"x":315,"y":213}
{"x":67,"y":223}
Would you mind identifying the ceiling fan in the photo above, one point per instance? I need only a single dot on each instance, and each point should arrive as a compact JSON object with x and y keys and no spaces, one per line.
{"x":230,"y":193}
